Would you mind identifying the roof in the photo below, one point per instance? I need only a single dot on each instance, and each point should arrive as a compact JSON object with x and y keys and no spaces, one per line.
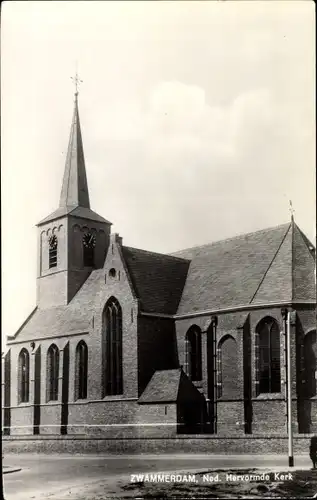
{"x":275,"y":264}
{"x":74,"y":199}
{"x":76,"y":317}
{"x":75,"y":188}
{"x":44,"y":322}
{"x":158,"y":279}
{"x":162,"y":388}
{"x":82,"y":212}
{"x":169,"y":386}
{"x":267,"y":265}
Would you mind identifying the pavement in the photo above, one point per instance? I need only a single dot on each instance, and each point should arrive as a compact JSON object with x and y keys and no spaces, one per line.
{"x":58,"y":476}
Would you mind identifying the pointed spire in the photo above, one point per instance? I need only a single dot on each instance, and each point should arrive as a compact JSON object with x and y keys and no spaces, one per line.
{"x":292,"y":211}
{"x":75,"y":188}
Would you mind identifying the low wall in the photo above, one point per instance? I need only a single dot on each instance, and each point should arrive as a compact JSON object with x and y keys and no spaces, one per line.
{"x":184,"y":444}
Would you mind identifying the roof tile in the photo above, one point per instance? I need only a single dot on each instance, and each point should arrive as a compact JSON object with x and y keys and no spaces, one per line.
{"x":157,"y":278}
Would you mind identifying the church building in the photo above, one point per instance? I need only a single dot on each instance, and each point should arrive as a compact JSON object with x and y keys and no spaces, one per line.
{"x":127,"y":343}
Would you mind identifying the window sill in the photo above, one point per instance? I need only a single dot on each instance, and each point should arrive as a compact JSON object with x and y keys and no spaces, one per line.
{"x":225,"y":399}
{"x":113,"y":397}
{"x":269,"y":396}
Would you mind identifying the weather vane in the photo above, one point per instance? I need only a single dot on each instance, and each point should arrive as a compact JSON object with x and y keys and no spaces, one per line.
{"x":77,"y":82}
{"x":291,"y":209}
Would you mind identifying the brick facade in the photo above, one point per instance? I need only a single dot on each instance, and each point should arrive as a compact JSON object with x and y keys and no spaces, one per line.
{"x":150,"y":344}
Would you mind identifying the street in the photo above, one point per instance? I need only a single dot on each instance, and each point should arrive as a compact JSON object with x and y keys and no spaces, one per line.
{"x":56,"y":476}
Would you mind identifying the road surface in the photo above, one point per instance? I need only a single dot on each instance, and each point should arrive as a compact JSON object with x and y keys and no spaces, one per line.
{"x":56,"y":476}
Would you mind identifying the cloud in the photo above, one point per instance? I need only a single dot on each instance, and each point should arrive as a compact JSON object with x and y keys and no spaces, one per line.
{"x":180,"y":155}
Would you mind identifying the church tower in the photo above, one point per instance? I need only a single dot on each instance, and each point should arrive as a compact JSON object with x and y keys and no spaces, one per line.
{"x":73,"y":240}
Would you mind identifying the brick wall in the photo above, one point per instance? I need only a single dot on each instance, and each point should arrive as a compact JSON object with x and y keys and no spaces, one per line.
{"x":52,"y":282}
{"x":58,"y":285}
{"x":230,"y":418}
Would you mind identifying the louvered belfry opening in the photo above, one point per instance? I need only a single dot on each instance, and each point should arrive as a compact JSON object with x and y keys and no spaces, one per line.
{"x":52,"y":255}
{"x":112,"y":327}
{"x":89,"y":256}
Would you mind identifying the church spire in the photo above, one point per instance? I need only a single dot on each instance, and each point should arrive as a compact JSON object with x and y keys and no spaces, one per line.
{"x":74,"y":199}
{"x":292,"y":211}
{"x":75,"y":188}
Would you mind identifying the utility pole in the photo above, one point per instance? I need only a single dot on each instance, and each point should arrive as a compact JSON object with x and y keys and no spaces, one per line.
{"x":214,"y":321}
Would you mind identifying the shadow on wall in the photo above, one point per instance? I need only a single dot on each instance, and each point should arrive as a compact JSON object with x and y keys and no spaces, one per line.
{"x":313,"y":451}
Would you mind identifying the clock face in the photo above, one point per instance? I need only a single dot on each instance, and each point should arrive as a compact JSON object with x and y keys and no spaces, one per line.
{"x":53,"y":241}
{"x":89,"y":240}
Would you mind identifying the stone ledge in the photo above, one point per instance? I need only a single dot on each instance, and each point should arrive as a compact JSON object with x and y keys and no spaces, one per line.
{"x":183,"y":444}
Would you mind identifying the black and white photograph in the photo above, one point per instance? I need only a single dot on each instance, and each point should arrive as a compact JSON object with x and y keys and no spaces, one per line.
{"x":158,"y":249}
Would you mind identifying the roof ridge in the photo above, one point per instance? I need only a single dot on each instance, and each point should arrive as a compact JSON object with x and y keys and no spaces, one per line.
{"x":271,"y":263}
{"x":231,"y":238}
{"x":9,"y":337}
{"x":306,"y":240}
{"x":158,"y":253}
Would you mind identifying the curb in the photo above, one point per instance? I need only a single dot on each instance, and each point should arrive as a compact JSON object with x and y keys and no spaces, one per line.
{"x":8,"y":470}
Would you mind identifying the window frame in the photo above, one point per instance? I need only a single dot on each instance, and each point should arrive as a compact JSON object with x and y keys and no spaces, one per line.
{"x":81,"y":370}
{"x":24,"y":376}
{"x":309,"y":375}
{"x":113,"y":348}
{"x":52,"y":373}
{"x":52,"y":254}
{"x":264,"y":354}
{"x":193,"y":347}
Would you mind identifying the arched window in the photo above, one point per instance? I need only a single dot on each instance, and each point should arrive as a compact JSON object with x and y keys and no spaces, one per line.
{"x":81,"y":370}
{"x":24,"y":376}
{"x":52,"y":373}
{"x":52,"y":251}
{"x":227,"y":369}
{"x":268,"y":356}
{"x":193,"y":353}
{"x":310,"y":365}
{"x":112,"y":334}
{"x":89,"y":243}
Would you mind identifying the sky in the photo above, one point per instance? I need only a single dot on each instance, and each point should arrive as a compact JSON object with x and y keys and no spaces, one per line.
{"x":198,"y":122}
